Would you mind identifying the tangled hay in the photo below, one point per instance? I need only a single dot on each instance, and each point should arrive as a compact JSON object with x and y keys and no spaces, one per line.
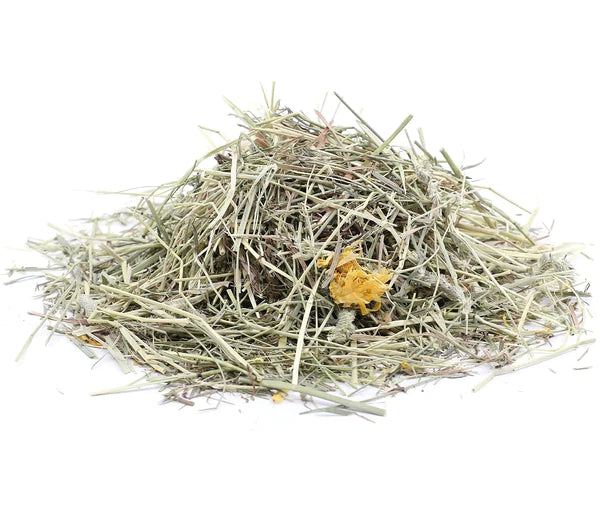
{"x":230,"y":278}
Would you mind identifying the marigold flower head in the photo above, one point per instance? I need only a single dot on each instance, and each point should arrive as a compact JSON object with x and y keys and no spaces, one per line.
{"x":351,"y":285}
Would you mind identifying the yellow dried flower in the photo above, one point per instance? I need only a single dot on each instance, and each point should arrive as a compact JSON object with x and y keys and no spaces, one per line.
{"x":352,"y":286}
{"x":278,"y":397}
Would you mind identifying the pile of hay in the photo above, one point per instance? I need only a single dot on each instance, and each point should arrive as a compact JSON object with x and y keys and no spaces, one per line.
{"x":223,"y":280}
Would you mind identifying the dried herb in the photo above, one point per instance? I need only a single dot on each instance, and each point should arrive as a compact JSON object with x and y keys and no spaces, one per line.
{"x":310,"y":256}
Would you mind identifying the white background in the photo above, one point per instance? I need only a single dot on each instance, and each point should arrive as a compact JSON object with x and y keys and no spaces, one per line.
{"x":107,"y":95}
